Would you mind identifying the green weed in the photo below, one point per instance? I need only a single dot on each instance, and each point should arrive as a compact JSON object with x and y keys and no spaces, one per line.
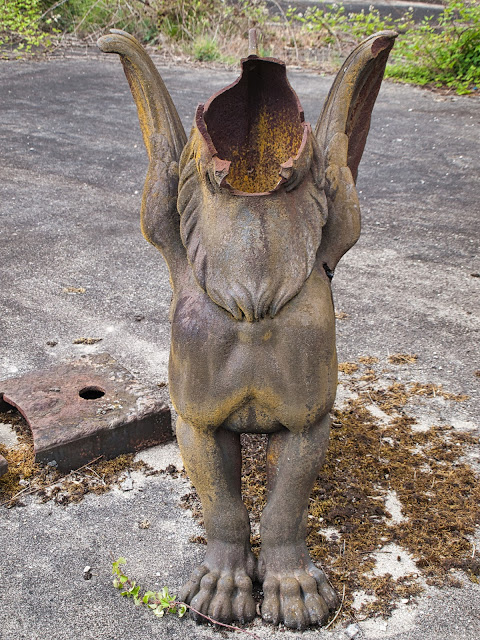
{"x":205,"y":50}
{"x":159,"y":602}
{"x":23,"y":26}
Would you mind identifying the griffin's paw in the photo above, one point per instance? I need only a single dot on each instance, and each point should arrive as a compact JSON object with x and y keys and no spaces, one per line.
{"x":297,"y":598}
{"x":223,"y":595}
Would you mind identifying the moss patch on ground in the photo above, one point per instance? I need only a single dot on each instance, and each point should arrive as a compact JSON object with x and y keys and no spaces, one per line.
{"x":24,"y":477}
{"x":369,"y":460}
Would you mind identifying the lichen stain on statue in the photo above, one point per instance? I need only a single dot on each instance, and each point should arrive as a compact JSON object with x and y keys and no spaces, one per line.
{"x":252,"y":215}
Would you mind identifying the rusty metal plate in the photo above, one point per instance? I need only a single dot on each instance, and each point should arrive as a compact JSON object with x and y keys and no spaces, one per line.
{"x":86,"y":408}
{"x":3,"y":466}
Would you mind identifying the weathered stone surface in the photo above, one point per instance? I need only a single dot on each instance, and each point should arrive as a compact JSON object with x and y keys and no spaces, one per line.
{"x":252,"y":215}
{"x":3,"y":466}
{"x":87,"y":408}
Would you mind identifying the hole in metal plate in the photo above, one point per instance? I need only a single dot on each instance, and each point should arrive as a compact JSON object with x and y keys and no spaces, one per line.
{"x":91,"y":393}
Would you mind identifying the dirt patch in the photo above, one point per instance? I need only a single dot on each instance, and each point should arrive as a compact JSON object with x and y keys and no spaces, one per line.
{"x":402,"y":358}
{"x":348,"y":367}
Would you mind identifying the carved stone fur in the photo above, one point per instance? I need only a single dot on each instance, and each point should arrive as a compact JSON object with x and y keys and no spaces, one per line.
{"x":250,"y":253}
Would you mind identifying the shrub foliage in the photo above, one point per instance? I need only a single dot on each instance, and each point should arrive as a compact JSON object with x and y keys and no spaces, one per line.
{"x":442,"y":52}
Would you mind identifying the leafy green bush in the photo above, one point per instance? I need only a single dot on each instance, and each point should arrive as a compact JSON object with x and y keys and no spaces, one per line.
{"x":446,"y":54}
{"x":22,"y":25}
{"x":442,"y":53}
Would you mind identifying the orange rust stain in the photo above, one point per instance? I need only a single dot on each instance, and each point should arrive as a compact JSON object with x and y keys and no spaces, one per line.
{"x":271,"y":140}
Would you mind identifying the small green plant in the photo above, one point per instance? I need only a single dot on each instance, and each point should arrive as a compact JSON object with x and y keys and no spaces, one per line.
{"x":205,"y":49}
{"x":159,"y":602}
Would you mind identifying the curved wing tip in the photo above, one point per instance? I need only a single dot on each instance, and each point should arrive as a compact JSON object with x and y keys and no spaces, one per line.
{"x":106,"y":43}
{"x":383,"y":40}
{"x":102,"y":43}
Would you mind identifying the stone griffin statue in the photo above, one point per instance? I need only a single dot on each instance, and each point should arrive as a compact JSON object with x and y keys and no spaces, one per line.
{"x":252,"y":215}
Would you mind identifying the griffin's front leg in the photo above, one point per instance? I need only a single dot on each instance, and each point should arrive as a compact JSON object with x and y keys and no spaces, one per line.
{"x":221,"y":586}
{"x":296,"y":592}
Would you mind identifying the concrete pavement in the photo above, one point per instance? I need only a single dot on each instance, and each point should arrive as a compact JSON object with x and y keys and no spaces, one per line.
{"x":71,"y":173}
